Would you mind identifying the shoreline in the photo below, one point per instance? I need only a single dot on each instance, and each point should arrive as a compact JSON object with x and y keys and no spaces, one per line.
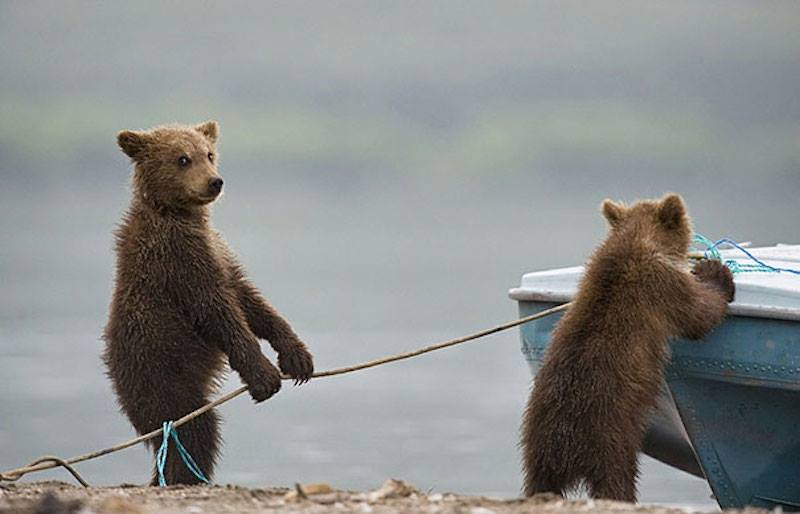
{"x":54,"y":497}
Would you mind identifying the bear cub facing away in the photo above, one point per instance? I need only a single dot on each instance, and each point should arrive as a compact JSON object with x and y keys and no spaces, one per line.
{"x":586,"y":416}
{"x":182,"y":302}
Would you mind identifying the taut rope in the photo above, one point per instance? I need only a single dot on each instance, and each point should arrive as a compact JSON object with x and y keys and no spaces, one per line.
{"x":50,"y":462}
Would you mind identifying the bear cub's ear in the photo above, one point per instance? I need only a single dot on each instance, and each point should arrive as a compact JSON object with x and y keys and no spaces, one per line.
{"x":132,"y":143}
{"x":613,"y":212}
{"x":209,"y":129}
{"x":672,"y":211}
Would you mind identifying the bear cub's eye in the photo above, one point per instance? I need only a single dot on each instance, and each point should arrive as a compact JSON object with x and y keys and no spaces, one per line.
{"x":183,"y":161}
{"x":210,"y":156}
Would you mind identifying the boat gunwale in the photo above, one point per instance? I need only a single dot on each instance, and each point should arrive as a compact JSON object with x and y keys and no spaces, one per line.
{"x":521,"y":294}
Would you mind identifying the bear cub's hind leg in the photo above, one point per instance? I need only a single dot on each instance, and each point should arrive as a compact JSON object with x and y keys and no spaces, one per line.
{"x":615,"y":480}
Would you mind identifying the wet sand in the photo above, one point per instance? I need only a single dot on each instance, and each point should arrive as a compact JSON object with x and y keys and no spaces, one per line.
{"x":393,"y":496}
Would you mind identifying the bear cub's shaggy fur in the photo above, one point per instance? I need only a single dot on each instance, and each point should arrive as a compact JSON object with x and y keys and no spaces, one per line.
{"x":182,"y":303}
{"x":602,"y":374}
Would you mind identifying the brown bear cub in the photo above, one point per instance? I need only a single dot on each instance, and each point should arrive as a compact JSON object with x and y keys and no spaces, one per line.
{"x":182,"y":303}
{"x":602,"y":374}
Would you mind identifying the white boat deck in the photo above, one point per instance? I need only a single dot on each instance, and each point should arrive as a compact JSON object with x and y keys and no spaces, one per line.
{"x":758,"y":294}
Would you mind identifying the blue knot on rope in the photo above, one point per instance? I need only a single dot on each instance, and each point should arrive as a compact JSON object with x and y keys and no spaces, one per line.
{"x":161,"y":455}
{"x":757,"y":266}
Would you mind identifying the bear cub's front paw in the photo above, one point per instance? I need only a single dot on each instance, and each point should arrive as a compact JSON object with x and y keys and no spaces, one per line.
{"x":264,"y":382}
{"x":296,"y":362}
{"x":717,"y":274}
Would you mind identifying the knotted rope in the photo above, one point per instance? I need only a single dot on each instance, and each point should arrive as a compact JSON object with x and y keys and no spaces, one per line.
{"x":161,"y":456}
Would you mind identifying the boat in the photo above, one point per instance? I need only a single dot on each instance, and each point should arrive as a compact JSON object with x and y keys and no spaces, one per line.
{"x":730,"y":408}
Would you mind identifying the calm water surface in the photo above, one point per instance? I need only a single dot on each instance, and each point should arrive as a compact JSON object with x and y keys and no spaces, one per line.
{"x":359,"y":276}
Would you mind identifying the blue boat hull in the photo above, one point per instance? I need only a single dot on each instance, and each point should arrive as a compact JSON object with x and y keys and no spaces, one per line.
{"x":738,"y":396}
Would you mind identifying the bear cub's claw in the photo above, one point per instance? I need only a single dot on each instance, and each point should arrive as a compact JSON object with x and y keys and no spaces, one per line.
{"x":264,"y":384}
{"x":717,"y":274}
{"x":296,"y":362}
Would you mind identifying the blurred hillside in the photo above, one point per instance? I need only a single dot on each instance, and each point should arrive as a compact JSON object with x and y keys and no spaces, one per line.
{"x":346,"y":91}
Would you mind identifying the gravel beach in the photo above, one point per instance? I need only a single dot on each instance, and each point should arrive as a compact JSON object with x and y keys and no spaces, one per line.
{"x":392,"y":496}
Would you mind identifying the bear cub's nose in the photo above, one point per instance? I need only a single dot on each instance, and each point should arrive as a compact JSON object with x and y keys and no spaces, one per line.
{"x":215,"y":185}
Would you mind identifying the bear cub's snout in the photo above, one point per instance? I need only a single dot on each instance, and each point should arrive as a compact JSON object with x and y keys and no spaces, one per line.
{"x":215,"y":186}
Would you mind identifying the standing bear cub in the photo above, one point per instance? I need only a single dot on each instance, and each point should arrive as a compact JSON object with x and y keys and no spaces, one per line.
{"x":602,"y":374}
{"x":182,"y":303}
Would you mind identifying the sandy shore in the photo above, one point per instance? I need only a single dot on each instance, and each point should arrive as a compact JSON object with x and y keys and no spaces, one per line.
{"x":393,"y":496}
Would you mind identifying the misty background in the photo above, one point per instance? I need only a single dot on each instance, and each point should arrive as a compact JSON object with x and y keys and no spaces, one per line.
{"x":391,"y":169}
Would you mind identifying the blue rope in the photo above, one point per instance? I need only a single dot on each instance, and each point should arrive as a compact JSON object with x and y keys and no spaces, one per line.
{"x":161,"y":455}
{"x":757,"y":266}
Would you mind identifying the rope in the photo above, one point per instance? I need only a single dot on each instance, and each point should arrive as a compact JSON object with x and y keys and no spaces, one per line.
{"x":758,"y":266}
{"x":161,"y":456}
{"x":53,"y":462}
{"x":12,"y":476}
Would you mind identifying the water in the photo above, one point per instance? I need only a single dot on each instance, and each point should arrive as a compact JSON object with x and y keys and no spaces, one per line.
{"x":360,"y":274}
